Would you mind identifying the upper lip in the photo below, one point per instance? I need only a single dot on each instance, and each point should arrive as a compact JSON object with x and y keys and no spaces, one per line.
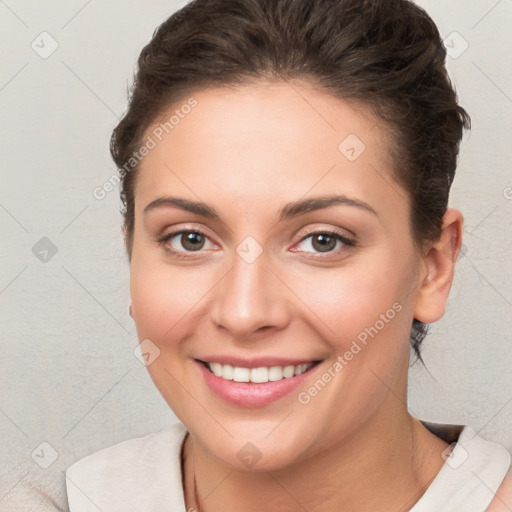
{"x":256,"y":362}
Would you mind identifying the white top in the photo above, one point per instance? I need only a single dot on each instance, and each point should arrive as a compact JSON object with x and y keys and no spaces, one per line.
{"x":144,"y":475}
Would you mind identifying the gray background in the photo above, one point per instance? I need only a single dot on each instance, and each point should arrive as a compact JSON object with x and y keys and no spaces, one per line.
{"x":68,"y":375}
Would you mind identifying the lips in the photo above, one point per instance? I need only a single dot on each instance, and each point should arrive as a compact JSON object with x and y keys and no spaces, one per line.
{"x":254,"y":383}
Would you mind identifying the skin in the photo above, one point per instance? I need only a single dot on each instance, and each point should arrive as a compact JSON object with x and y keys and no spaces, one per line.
{"x":503,"y":500}
{"x":246,"y":152}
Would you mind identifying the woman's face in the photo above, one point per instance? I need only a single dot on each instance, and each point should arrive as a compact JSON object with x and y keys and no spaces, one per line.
{"x":238,"y":261}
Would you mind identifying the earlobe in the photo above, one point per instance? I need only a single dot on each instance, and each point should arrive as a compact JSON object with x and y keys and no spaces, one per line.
{"x":436,"y":279}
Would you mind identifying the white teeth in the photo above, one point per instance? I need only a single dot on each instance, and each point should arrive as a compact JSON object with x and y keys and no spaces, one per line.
{"x":288,"y":371}
{"x":257,"y":375}
{"x":216,"y":368}
{"x":241,"y":374}
{"x":275,"y":373}
{"x":301,"y":368}
{"x":227,"y":372}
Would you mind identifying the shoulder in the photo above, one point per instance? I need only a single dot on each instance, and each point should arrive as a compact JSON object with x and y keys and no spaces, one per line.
{"x":120,"y":474}
{"x":503,"y":499}
{"x":131,"y":449}
{"x":492,"y":467}
{"x":476,"y":475}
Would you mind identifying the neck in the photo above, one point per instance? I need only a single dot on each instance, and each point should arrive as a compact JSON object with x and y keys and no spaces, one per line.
{"x":387,"y":464}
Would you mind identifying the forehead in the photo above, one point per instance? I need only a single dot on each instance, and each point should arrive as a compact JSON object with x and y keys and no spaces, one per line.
{"x":267,"y":141}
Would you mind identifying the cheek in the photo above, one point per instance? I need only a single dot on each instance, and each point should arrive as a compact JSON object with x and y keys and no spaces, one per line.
{"x":369,"y":301}
{"x":165,"y":309}
{"x":364,"y":317}
{"x":164,"y":297}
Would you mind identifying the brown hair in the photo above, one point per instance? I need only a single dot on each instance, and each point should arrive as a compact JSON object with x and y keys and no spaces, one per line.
{"x":386,"y":54}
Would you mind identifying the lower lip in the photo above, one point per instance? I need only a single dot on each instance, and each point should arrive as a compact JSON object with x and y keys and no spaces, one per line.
{"x":249,"y":394}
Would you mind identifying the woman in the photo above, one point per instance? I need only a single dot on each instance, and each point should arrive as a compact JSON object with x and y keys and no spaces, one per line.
{"x":285,"y":167}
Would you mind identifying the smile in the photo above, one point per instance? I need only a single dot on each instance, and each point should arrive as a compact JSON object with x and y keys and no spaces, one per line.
{"x":259,"y":375}
{"x":255,"y":383}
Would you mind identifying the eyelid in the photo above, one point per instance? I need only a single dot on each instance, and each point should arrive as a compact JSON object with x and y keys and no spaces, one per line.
{"x":184,"y":228}
{"x":347,"y":244}
{"x":163,"y":239}
{"x":348,"y":239}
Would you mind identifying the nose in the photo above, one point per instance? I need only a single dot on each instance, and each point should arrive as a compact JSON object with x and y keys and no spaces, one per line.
{"x":250,"y":299}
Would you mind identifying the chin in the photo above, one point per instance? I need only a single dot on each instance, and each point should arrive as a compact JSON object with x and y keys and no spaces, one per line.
{"x":251,"y":448}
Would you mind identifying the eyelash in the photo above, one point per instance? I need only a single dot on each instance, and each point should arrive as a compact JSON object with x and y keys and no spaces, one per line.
{"x":347,"y":242}
{"x":179,"y":254}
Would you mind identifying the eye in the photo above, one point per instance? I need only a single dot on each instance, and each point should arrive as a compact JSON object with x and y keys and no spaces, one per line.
{"x":325,"y":242}
{"x":184,"y":241}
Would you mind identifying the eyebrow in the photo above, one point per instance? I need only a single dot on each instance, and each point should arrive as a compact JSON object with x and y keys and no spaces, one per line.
{"x":288,"y":211}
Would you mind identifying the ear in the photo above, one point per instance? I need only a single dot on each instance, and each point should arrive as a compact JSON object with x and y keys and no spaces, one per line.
{"x":438,"y":269}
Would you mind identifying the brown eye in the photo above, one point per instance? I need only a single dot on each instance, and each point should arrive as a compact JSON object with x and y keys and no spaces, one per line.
{"x":184,"y":241}
{"x":192,"y":241}
{"x":323,"y":242}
